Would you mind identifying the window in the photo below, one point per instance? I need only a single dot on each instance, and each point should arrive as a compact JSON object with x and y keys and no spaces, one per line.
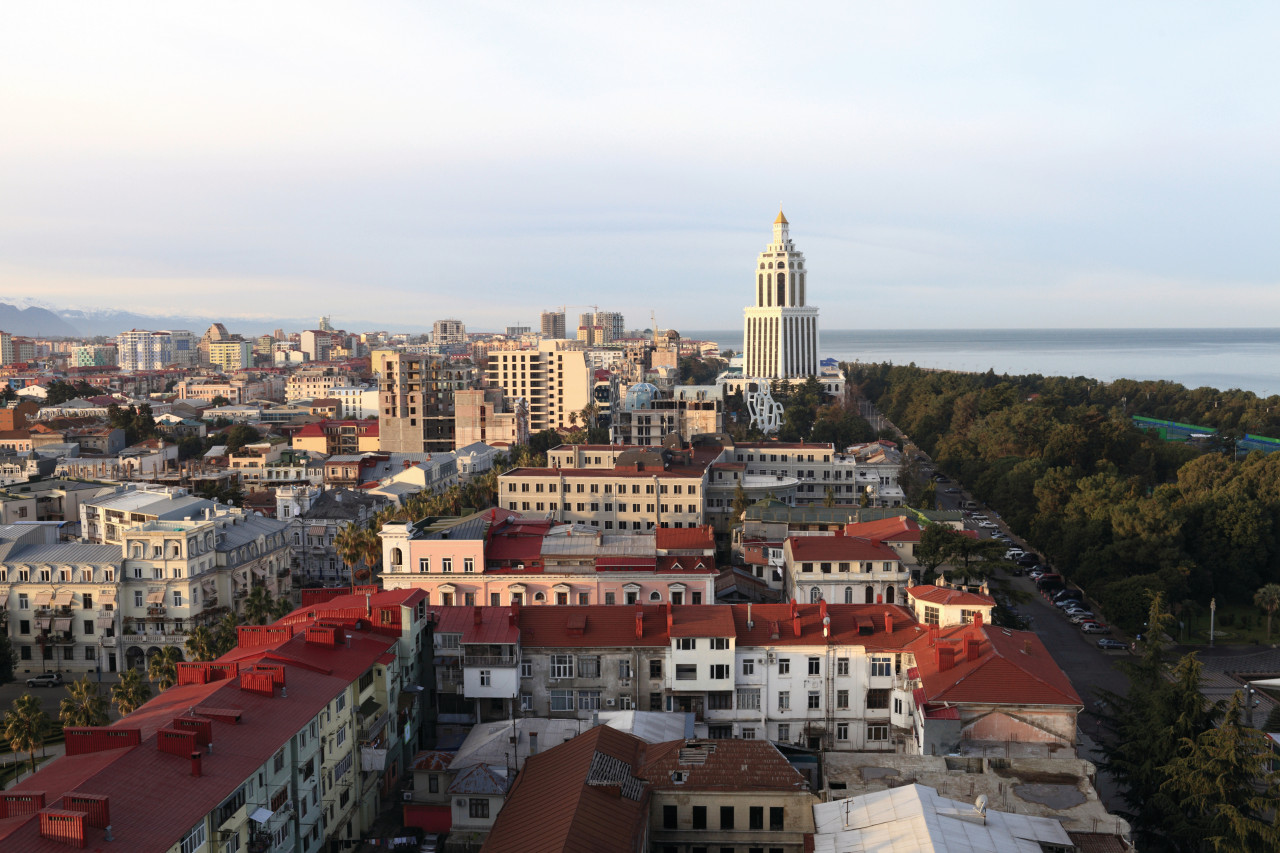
{"x":877,"y":733}
{"x":433,"y":783}
{"x":624,"y":669}
{"x":842,"y":731}
{"x":588,"y":700}
{"x":931,"y":616}
{"x":784,"y":732}
{"x":699,"y":817}
{"x":478,"y":807}
{"x":784,"y":666}
{"x":194,"y":839}
{"x":842,"y":666}
{"x":23,"y":603}
{"x":526,"y":701}
{"x":720,"y":670}
{"x":719,"y":643}
{"x":446,"y":565}
{"x":775,"y":818}
{"x":655,"y":667}
{"x":748,"y":733}
{"x":137,"y":598}
{"x":721,"y":700}
{"x":588,"y":666}
{"x":668,"y":817}
{"x":486,"y":678}
{"x":878,"y":700}
{"x":755,"y":817}
{"x":686,"y":672}
{"x":784,"y":700}
{"x":726,"y":817}
{"x":278,"y":764}
{"x":814,"y":699}
{"x":526,"y":669}
{"x":815,"y":666}
{"x":686,"y":644}
{"x":562,"y":666}
{"x":881,"y":666}
{"x":842,"y":699}
{"x":610,"y":598}
{"x":88,"y":626}
{"x":748,"y":666}
{"x":561,"y":700}
{"x":655,"y":699}
{"x":424,"y":564}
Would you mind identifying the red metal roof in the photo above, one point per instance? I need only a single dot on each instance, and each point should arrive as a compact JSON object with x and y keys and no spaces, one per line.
{"x":710,"y":620}
{"x":615,"y":563}
{"x":685,"y":538}
{"x":834,"y":548}
{"x":492,"y":625}
{"x":771,"y":618}
{"x":605,"y":625}
{"x":898,"y":528}
{"x":1011,"y":668}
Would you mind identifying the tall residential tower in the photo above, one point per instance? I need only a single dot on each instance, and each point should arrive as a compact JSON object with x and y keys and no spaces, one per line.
{"x":781,"y":331}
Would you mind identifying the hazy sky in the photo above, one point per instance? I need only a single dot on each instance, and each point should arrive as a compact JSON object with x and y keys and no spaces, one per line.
{"x":943,"y":165}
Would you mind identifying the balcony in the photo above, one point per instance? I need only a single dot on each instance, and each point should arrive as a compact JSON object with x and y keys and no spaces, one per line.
{"x":490,"y":660}
{"x":154,"y":638}
{"x":107,"y":642}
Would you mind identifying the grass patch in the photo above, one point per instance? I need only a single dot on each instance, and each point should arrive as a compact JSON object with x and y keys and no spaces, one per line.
{"x":12,"y":771}
{"x":1235,"y":625}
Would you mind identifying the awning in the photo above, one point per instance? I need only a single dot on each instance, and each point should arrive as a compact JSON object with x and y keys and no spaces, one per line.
{"x":42,"y":622}
{"x":260,"y":571}
{"x":261,"y":815}
{"x":210,"y":586}
{"x":62,"y":598}
{"x":156,"y":597}
{"x":43,"y":599}
{"x":107,"y":596}
{"x":62,"y":623}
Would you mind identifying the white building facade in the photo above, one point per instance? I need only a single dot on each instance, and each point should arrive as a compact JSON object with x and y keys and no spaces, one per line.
{"x":781,"y":330}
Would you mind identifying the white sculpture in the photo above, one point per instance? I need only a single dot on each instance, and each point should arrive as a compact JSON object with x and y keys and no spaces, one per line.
{"x":766,"y":413}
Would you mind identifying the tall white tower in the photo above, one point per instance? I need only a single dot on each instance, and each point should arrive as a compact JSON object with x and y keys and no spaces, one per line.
{"x":781,"y":333}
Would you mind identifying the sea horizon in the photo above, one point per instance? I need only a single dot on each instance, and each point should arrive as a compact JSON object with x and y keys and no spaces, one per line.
{"x":1245,"y":358}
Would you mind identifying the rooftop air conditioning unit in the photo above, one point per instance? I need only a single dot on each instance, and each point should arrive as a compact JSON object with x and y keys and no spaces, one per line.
{"x":609,"y":702}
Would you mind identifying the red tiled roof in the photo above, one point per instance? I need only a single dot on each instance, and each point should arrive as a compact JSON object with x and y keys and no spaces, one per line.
{"x":553,"y":809}
{"x":898,"y":528}
{"x":494,"y":625}
{"x":1012,"y":668}
{"x":839,"y":548}
{"x":605,"y":625}
{"x":946,"y":595}
{"x":310,"y":431}
{"x":769,"y":618}
{"x":710,"y":620}
{"x":754,"y":765}
{"x":685,"y":538}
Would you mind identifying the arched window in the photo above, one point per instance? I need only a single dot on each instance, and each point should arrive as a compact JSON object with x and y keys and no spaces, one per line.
{"x":540,"y":597}
{"x":782,"y":287}
{"x":762,"y":265}
{"x":871,"y":596}
{"x":655,"y":596}
{"x":397,"y":557}
{"x":848,"y":595}
{"x":760,"y":288}
{"x":888,"y":595}
{"x":815,"y":595}
{"x":770,"y":264}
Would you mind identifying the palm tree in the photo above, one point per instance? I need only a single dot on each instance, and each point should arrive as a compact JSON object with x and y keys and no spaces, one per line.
{"x":83,"y":706}
{"x":26,"y":725}
{"x":1268,"y":598}
{"x":226,"y":637}
{"x":281,"y":607}
{"x":201,"y":644}
{"x":372,"y":552}
{"x":131,"y":693}
{"x":349,"y":543}
{"x":163,"y":668}
{"x":257,"y":606}
{"x":588,"y":415}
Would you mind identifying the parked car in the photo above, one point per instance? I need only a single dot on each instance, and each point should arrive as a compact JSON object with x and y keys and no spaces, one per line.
{"x":1091,"y":627}
{"x":953,"y":491}
{"x":1063,"y":594}
{"x":1027,"y":560}
{"x":1035,"y":574}
{"x":45,"y":679}
{"x":1112,"y":645}
{"x":1013,"y":553}
{"x":987,"y":525}
{"x":1079,"y":616}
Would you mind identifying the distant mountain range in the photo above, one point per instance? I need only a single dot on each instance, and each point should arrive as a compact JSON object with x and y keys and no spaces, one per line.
{"x":36,"y":321}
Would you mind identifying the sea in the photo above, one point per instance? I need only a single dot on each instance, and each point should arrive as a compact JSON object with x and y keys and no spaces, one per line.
{"x":1248,"y":359}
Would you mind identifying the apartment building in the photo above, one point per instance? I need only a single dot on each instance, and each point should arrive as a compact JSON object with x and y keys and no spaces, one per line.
{"x":231,"y":354}
{"x":446,"y":332}
{"x":552,"y":325}
{"x":416,"y":401}
{"x":94,"y":356}
{"x":837,"y":677}
{"x":315,"y":710}
{"x":844,"y":568}
{"x":264,"y":386}
{"x":867,"y":471}
{"x":486,"y":416}
{"x":497,"y":558}
{"x":355,"y":402}
{"x":646,"y":415}
{"x":332,"y":437}
{"x":644,"y":489}
{"x":140,"y":349}
{"x":310,"y":383}
{"x":314,"y":519}
{"x":554,"y":381}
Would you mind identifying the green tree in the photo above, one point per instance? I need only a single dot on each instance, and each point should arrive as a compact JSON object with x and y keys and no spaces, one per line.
{"x":258,"y":606}
{"x":350,"y":544}
{"x":219,"y":400}
{"x":1268,"y":598}
{"x":201,"y":644}
{"x":1224,"y":787}
{"x":281,"y":607}
{"x":225,"y":635}
{"x":83,"y":705}
{"x":163,"y":667}
{"x":26,"y":725}
{"x":937,"y":544}
{"x":740,"y":502}
{"x":240,"y":435}
{"x":131,"y":693}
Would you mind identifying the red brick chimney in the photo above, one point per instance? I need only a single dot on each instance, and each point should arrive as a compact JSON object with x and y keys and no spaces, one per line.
{"x":195,"y":763}
{"x":888,"y":622}
{"x":971,"y":648}
{"x":977,"y":618}
{"x":639,"y":624}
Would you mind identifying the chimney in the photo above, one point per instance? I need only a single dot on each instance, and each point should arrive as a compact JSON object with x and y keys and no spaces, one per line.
{"x":971,"y":648}
{"x":795,"y":624}
{"x":822,"y":608}
{"x":639,"y":624}
{"x":195,"y":763}
{"x":670,"y":620}
{"x":888,"y":622}
{"x":751,"y":626}
{"x":476,"y":617}
{"x":977,"y":619}
{"x":946,"y":657}
{"x":513,"y":615}
{"x":879,"y":598}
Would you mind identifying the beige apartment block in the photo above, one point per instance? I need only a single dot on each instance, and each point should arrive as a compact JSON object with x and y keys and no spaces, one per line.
{"x":556,"y":382}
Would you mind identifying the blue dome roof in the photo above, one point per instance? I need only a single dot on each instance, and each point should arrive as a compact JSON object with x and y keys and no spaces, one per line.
{"x":640,"y":396}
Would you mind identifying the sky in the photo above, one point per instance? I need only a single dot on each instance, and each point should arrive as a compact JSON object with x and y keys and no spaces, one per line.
{"x":943,"y":165}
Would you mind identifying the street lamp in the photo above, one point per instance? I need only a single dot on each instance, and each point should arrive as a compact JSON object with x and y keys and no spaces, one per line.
{"x":1213,"y":609}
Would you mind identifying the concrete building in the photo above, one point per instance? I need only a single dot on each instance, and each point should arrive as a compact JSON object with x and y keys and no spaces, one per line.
{"x":314,"y":518}
{"x":553,"y":327}
{"x":310,"y":383}
{"x":416,"y":401}
{"x":846,"y":569}
{"x":356,"y":402}
{"x":601,"y":327}
{"x":6,"y":348}
{"x":486,"y":416}
{"x":646,"y":415}
{"x":215,"y":332}
{"x":330,"y":438}
{"x":446,"y":332}
{"x":781,"y":329}
{"x":94,"y":356}
{"x":140,"y":350}
{"x":231,"y":354}
{"x":554,"y":381}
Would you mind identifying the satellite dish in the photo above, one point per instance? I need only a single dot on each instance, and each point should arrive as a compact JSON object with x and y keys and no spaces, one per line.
{"x":980,"y":804}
